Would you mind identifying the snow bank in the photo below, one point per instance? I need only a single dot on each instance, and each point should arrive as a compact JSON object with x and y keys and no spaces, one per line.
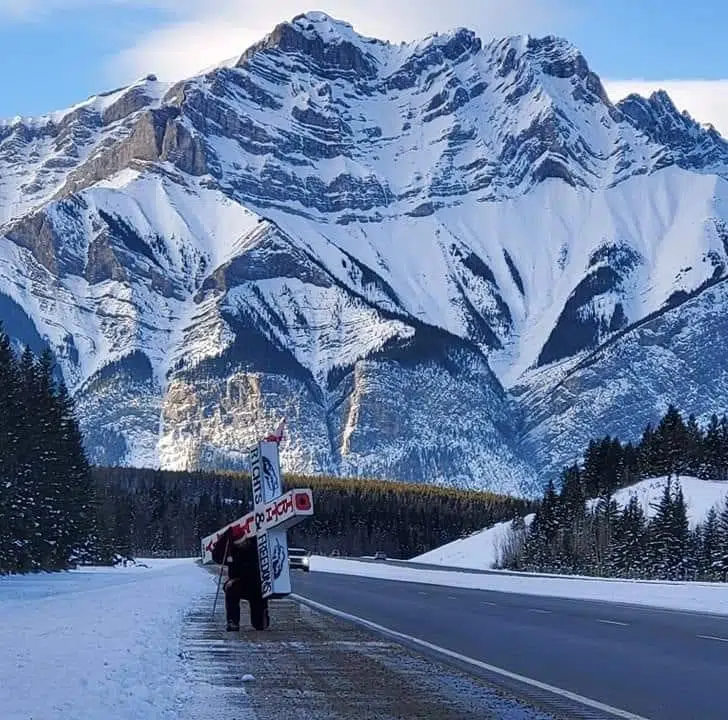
{"x":696,"y":597}
{"x":139,"y":565}
{"x":480,"y":551}
{"x":97,"y":643}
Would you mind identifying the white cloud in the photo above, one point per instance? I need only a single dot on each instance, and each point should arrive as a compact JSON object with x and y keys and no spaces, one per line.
{"x":199,"y":39}
{"x":705,"y":100}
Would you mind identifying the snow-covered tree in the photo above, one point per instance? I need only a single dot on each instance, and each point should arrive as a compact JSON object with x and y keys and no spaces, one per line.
{"x":630,"y":542}
{"x":47,"y":510}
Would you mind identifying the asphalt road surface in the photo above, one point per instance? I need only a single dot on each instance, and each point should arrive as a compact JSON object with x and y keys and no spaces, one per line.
{"x":657,"y":664}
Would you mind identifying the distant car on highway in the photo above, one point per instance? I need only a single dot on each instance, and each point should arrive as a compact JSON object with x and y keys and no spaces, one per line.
{"x":298,"y":559}
{"x":379,"y":555}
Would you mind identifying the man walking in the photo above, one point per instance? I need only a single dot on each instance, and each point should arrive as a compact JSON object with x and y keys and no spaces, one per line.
{"x":243,"y":579}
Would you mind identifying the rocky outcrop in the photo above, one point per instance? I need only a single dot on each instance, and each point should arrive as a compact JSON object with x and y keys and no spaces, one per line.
{"x":685,"y":142}
{"x":336,"y":59}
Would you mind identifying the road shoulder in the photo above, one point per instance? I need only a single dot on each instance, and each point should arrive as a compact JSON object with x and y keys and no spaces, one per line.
{"x":312,"y":665}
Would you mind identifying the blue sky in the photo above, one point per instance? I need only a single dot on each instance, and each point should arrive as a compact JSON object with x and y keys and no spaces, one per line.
{"x":58,"y":52}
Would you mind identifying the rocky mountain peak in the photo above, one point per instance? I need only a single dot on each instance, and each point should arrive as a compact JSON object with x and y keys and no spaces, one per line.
{"x":332,"y":44}
{"x":537,"y":60}
{"x":686,"y":142}
{"x":324,"y":26}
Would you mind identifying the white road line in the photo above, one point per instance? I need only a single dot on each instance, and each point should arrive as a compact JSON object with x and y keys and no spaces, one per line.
{"x":575,"y":697}
{"x":420,"y":592}
{"x":451,"y":597}
{"x":613,"y":622}
{"x":539,"y":610}
{"x":712,"y":637}
{"x":485,"y":602}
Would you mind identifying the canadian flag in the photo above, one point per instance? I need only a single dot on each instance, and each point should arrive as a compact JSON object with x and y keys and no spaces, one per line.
{"x":277,"y":436}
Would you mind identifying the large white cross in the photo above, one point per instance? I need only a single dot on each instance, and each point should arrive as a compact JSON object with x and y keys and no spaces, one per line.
{"x":273,"y":514}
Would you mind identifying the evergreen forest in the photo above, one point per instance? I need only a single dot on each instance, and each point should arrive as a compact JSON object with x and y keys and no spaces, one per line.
{"x":48,"y":515}
{"x":580,"y":529}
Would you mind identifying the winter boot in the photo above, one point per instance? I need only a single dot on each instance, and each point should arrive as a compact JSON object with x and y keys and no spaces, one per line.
{"x":233,"y":627}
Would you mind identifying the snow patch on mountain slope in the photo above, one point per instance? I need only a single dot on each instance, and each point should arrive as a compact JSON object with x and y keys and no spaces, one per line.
{"x":324,"y":327}
{"x":551,"y":235}
{"x":188,"y":231}
{"x":193,"y":222}
{"x":38,"y":154}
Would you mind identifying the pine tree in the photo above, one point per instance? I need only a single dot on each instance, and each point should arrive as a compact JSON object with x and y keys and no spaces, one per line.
{"x":82,"y":539}
{"x":659,"y":534}
{"x":571,"y":497}
{"x":723,"y":441}
{"x":29,"y":543}
{"x":713,"y":452}
{"x":604,"y":518}
{"x":614,"y":467}
{"x":647,"y":453}
{"x":630,"y":541}
{"x":631,"y":464}
{"x":550,"y":519}
{"x":48,"y":477}
{"x":11,"y":502}
{"x":680,"y":550}
{"x":671,"y":443}
{"x":593,"y":469}
{"x":720,"y":565}
{"x":695,"y":448}
{"x":669,"y":534}
{"x":710,"y":541}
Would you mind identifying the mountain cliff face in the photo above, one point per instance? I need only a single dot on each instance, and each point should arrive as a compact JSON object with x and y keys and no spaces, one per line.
{"x":449,"y":261}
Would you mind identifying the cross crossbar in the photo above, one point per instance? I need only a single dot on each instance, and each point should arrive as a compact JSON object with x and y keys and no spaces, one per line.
{"x":282,"y":513}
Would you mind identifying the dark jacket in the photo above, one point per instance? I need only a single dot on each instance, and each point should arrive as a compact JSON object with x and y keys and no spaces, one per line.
{"x":241,"y":561}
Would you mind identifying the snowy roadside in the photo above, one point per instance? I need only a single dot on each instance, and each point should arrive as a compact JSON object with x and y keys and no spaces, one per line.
{"x":97,"y":643}
{"x":139,"y":642}
{"x":695,"y":597}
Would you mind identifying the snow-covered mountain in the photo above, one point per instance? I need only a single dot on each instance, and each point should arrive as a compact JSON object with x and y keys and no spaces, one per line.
{"x":449,"y":260}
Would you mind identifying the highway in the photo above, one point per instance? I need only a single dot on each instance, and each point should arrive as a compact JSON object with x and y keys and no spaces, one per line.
{"x":648,"y":663}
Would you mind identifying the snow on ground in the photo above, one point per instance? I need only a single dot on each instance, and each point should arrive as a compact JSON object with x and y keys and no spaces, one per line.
{"x":97,"y":643}
{"x":688,"y":596}
{"x":479,"y":551}
{"x":700,"y":496}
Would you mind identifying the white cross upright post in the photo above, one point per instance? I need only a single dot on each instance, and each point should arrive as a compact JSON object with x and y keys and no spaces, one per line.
{"x":273,"y":514}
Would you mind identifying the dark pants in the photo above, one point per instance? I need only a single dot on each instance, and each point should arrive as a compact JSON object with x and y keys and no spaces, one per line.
{"x":235,"y":591}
